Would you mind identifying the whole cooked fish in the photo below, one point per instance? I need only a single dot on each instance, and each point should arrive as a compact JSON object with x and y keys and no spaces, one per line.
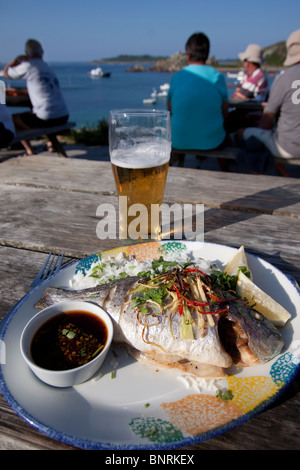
{"x":177,"y":321}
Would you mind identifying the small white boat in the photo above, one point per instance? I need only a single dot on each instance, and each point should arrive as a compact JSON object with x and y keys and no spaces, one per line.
{"x":162,"y":93}
{"x":149,"y":101}
{"x":165,"y":87}
{"x":238,"y":76}
{"x":232,"y":74}
{"x":158,"y":94}
{"x":97,"y":73}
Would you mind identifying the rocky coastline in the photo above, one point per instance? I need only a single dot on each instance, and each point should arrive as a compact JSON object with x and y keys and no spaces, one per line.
{"x":178,"y":60}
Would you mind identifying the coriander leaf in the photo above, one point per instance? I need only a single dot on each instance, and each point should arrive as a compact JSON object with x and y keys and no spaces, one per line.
{"x":223,"y":280}
{"x":226,"y":395}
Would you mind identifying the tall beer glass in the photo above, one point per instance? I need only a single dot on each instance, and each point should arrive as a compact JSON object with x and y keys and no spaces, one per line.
{"x":140,"y":148}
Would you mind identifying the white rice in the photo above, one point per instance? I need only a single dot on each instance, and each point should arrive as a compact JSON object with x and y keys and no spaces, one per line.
{"x":115,"y":267}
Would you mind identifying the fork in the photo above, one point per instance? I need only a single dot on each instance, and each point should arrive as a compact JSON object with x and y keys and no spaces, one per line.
{"x":51,"y":265}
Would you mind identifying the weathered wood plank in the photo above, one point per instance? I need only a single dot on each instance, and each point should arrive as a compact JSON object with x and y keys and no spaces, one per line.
{"x":57,"y":173}
{"x":43,"y":220}
{"x":215,"y":189}
{"x":50,"y":204}
{"x":238,"y":192}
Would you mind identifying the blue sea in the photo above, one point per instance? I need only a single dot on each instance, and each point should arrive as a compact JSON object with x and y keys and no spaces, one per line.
{"x":90,"y":100}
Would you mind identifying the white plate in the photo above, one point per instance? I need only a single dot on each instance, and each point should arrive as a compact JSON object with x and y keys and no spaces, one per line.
{"x":143,"y":407}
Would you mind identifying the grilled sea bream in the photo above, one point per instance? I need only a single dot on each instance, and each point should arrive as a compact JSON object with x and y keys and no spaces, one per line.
{"x":180,"y":320}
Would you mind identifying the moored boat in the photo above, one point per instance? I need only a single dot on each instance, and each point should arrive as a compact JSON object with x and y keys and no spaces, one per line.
{"x":98,"y":73}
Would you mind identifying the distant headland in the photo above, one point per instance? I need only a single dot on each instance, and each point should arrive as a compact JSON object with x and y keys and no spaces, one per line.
{"x":273,"y":55}
{"x":130,"y":59}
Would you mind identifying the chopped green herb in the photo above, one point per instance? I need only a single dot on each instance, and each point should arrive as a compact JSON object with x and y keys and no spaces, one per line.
{"x":108,"y":280}
{"x":143,"y":309}
{"x":156,"y":294}
{"x":147,"y":405}
{"x":226,"y":395}
{"x":245,"y":271}
{"x":223,"y":280}
{"x":68,"y":333}
{"x":123,"y":275}
{"x":147,"y":274}
{"x":97,"y":270}
{"x":164,"y":264}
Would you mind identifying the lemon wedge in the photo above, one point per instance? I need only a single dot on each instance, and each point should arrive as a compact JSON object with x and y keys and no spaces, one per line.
{"x":262,"y":302}
{"x":238,"y":260}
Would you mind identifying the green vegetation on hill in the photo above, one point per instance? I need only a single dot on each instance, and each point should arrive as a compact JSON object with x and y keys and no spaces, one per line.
{"x":132,"y":58}
{"x":275,"y":54}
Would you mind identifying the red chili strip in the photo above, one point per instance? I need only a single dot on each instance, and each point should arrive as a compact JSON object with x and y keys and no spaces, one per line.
{"x":180,"y":306}
{"x":196,"y":270}
{"x":222,"y":310}
{"x":216,"y":299}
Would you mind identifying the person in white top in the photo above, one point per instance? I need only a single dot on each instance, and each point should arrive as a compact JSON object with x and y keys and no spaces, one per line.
{"x":48,"y":106}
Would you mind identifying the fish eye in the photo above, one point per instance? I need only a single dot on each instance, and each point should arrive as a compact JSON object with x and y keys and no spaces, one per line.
{"x":257,"y":315}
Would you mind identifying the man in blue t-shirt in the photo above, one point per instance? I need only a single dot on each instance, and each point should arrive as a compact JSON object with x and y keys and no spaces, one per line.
{"x":197,"y":100}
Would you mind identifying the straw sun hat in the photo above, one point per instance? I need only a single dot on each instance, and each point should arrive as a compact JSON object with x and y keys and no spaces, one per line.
{"x":253,"y":53}
{"x":293,"y":49}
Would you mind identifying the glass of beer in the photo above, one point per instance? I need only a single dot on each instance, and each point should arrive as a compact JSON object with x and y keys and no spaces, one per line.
{"x":140,"y":149}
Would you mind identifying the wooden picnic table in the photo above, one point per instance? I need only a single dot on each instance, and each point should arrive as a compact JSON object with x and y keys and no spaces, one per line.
{"x":49,"y":204}
{"x":245,"y":105}
{"x":18,"y":97}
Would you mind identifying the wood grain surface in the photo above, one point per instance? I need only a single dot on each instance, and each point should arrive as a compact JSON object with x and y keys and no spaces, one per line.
{"x":50,"y":204}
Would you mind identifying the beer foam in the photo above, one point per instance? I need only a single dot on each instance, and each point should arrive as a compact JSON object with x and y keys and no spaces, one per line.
{"x":141,"y":156}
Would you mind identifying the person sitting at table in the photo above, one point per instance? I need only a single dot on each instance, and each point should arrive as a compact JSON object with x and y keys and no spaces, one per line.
{"x":7,"y":128}
{"x":197,"y":100}
{"x":279,"y":129}
{"x":254,"y":84}
{"x":253,"y":87}
{"x":48,"y":106}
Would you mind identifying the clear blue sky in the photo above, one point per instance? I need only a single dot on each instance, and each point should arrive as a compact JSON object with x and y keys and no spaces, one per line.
{"x":95,"y":29}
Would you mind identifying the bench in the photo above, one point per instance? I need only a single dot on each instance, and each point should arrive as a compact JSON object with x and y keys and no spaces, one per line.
{"x":50,"y":132}
{"x":227,"y":153}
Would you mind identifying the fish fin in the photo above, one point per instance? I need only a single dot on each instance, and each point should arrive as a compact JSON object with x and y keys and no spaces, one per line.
{"x":176,"y":362}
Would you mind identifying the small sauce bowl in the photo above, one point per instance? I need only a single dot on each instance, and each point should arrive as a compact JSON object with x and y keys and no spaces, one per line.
{"x":66,"y":344}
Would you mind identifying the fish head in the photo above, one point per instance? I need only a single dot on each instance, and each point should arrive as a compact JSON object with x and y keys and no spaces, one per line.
{"x":247,"y":335}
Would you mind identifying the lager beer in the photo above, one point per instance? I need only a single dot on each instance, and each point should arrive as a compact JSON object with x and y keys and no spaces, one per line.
{"x":142,"y":186}
{"x":140,"y":164}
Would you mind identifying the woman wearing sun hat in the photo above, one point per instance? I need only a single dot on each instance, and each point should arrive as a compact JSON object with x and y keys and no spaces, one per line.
{"x":254,"y":84}
{"x":284,"y":102}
